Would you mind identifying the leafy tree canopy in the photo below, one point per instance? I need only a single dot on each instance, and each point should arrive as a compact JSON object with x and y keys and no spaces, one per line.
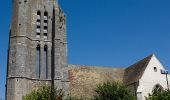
{"x":159,"y":95}
{"x":113,"y":91}
{"x":45,"y":93}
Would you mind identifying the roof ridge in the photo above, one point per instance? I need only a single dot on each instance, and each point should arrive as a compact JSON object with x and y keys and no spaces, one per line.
{"x":135,"y":71}
{"x":146,"y":58}
{"x":81,"y":65}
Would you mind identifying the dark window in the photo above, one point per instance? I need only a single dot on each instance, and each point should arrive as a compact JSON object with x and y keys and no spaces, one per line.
{"x":38,"y":13}
{"x":38,"y":24}
{"x":45,"y":34}
{"x":38,"y":20}
{"x":45,"y":21}
{"x":25,"y":1}
{"x":155,"y":69}
{"x":45,"y":27}
{"x":46,"y":61}
{"x":45,"y":24}
{"x":37,"y":62}
{"x":157,"y":88}
{"x":45,"y":14}
{"x":38,"y":27}
{"x":38,"y":33}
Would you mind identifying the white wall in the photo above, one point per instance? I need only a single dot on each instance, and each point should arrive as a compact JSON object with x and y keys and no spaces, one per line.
{"x":151,"y":78}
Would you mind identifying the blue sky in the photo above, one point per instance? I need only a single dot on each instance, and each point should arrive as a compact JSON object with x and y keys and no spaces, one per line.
{"x":105,"y":32}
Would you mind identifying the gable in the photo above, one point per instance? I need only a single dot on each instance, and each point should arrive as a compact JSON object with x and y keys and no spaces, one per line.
{"x":134,"y":72}
{"x":153,"y":70}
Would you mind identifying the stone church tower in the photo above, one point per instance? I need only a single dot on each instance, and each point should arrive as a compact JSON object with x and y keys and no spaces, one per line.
{"x":37,"y":48}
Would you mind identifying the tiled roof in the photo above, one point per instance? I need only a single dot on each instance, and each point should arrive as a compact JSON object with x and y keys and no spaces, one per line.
{"x":134,"y":72}
{"x":83,"y":79}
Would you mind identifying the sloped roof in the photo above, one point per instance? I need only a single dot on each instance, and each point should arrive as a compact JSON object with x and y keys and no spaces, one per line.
{"x":83,"y":79}
{"x":134,"y":72}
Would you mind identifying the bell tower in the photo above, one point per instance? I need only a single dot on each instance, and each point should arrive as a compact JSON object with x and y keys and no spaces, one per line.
{"x":37,"y":52}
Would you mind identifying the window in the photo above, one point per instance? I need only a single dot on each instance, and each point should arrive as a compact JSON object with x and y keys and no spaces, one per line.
{"x":38,"y":13}
{"x":155,"y":69}
{"x":38,"y":24}
{"x":46,"y":61}
{"x":38,"y":27}
{"x":45,"y":25}
{"x":38,"y":30}
{"x":45,"y":16}
{"x":37,"y":68}
{"x":45,"y":35}
{"x":38,"y":16}
{"x":157,"y":88}
{"x":38,"y":33}
{"x":25,"y":1}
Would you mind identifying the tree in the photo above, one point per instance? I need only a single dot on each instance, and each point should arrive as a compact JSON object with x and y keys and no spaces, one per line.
{"x":74,"y":98}
{"x":113,"y":91}
{"x":159,"y":95}
{"x":45,"y":93}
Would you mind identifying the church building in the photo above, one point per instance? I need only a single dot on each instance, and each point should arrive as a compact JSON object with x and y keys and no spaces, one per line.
{"x":37,"y":56}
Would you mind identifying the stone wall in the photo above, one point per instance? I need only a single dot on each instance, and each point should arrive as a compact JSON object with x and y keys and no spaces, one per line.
{"x":19,"y":87}
{"x":21,"y":69}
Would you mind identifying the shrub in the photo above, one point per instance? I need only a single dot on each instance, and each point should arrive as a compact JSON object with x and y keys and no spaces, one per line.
{"x":73,"y":98}
{"x":159,"y":95}
{"x":45,"y":93}
{"x":113,"y":91}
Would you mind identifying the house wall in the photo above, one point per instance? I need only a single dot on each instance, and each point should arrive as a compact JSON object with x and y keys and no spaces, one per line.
{"x":150,"y":78}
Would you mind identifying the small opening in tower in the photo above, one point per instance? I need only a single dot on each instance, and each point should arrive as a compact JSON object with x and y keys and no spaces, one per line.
{"x":38,"y":13}
{"x":45,"y":27}
{"x":25,"y":1}
{"x":45,"y":14}
{"x":38,"y":16}
{"x":38,"y":20}
{"x":19,"y":2}
{"x":45,"y":35}
{"x":38,"y":26}
{"x":45,"y":21}
{"x":38,"y":35}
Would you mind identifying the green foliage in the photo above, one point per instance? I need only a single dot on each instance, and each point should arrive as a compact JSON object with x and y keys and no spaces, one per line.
{"x":113,"y":91}
{"x":73,"y":98}
{"x":45,"y":93}
{"x":159,"y":95}
{"x":105,"y":91}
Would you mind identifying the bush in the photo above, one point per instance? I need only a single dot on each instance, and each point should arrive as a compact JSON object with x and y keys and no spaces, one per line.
{"x":73,"y":98}
{"x":113,"y":91}
{"x":159,"y":95}
{"x":45,"y":93}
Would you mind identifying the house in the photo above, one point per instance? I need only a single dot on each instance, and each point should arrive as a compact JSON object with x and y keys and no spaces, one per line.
{"x":142,"y":77}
